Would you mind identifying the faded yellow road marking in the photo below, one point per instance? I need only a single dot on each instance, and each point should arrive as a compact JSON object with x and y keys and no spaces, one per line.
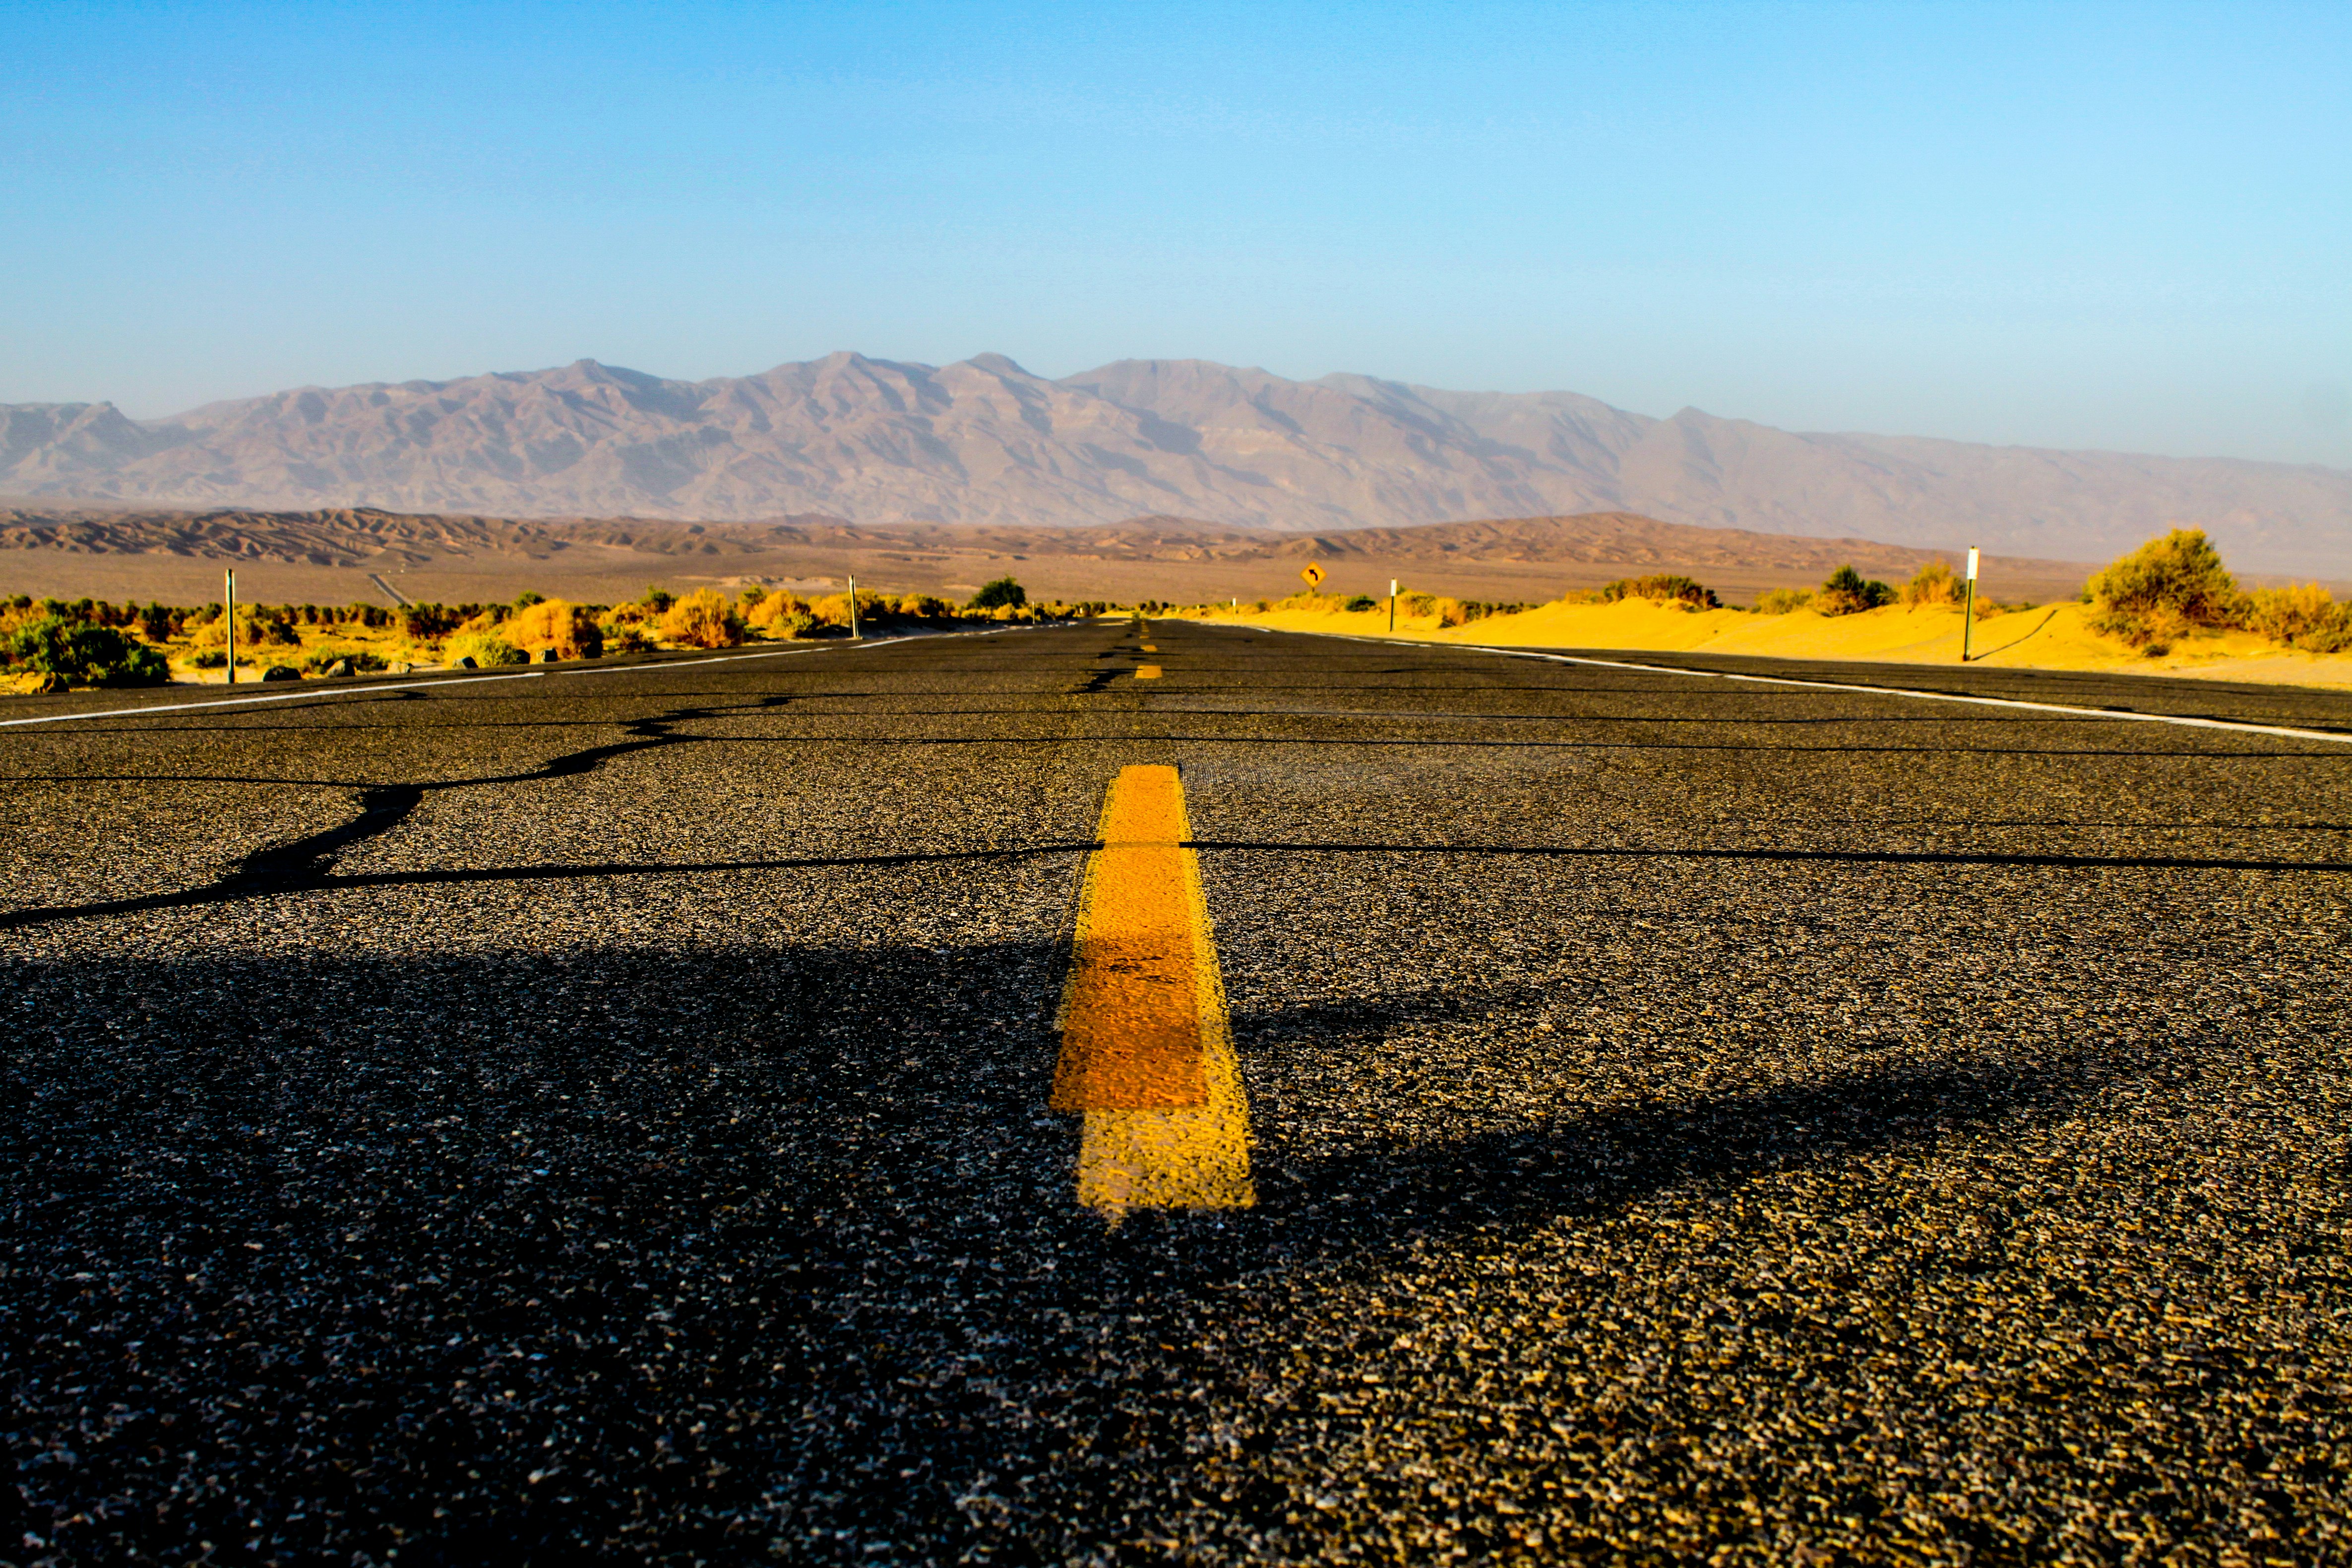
{"x":1152,"y":648}
{"x":1146,"y":1052}
{"x":1147,"y":672}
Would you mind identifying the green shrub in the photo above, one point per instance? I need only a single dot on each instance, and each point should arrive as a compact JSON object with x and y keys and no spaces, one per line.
{"x":1846,"y":593}
{"x":1667,"y":587}
{"x":266,"y":631}
{"x":483,"y":649}
{"x":2158,"y":593}
{"x":1006,"y":594}
{"x":1361,"y":602}
{"x":86,"y":655}
{"x":318,"y":658}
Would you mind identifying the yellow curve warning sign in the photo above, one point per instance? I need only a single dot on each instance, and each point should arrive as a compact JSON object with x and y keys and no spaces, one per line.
{"x":1314,"y":574}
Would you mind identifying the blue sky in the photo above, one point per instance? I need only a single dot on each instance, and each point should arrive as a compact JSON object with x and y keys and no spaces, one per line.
{"x":2125,"y":226}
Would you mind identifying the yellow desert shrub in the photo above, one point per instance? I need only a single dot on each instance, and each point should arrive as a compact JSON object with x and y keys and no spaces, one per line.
{"x":566,"y":627}
{"x":627,"y":628}
{"x":2161,"y":592}
{"x":778,"y":615}
{"x":833,"y":610}
{"x":2302,"y":615}
{"x":1934,"y":584}
{"x":703,"y":619}
{"x":1783,"y":601}
{"x":786,"y":615}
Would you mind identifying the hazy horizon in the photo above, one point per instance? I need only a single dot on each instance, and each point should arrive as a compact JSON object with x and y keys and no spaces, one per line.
{"x":534,"y":371}
{"x":2101,"y":227}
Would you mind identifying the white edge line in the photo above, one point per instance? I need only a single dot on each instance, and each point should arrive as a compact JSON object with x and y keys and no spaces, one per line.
{"x":248,"y":701}
{"x":472,"y":680}
{"x":2229,"y":725}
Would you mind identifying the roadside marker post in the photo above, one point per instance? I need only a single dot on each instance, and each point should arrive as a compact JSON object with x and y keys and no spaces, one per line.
{"x":1392,"y":588}
{"x":1969,"y":611}
{"x":228,"y":614}
{"x":854,"y":635}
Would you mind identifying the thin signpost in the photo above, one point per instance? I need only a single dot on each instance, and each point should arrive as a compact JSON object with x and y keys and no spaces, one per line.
{"x":228,"y":613}
{"x":1392,"y":587}
{"x":1969,"y":611}
{"x":854,"y":635}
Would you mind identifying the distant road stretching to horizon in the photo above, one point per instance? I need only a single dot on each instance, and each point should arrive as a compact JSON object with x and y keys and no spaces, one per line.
{"x":1136,"y":1091}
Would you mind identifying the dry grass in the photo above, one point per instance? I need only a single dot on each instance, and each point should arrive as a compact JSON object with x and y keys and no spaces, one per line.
{"x":569,"y":630}
{"x":703,"y":619}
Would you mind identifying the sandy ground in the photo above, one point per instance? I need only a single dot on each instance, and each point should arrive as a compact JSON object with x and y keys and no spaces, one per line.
{"x":2048,"y":636}
{"x":600,"y":575}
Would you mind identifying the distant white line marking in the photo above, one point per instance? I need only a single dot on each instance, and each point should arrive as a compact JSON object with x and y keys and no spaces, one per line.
{"x":2230,"y":725}
{"x":248,"y":701}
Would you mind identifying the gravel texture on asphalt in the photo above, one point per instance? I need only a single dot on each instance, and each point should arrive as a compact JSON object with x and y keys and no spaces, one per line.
{"x":604,"y":1118}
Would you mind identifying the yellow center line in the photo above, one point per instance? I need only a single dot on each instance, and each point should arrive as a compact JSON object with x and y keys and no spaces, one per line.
{"x":1147,"y":672}
{"x":1147,"y":1048}
{"x":1152,"y":648}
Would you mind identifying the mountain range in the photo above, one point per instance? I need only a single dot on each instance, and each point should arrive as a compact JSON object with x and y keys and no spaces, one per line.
{"x":984,"y":442}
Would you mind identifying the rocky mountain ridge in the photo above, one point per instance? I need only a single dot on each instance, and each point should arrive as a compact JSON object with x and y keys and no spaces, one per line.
{"x":985,"y":443}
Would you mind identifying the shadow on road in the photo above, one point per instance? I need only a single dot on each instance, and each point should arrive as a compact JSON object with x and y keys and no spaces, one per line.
{"x":694,"y":1244}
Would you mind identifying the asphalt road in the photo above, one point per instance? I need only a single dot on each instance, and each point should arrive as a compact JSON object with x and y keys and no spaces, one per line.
{"x":603,"y":1117}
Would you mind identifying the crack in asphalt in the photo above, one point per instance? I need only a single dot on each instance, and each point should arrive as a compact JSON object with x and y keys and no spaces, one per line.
{"x":305,"y":864}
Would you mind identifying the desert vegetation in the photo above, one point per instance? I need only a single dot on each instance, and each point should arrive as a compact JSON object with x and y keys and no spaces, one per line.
{"x":2171,"y":598}
{"x":2173,"y":587}
{"x":53,"y":645}
{"x":55,"y":654}
{"x":1666,"y":587}
{"x":1445,"y":610}
{"x":1847,"y":593}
